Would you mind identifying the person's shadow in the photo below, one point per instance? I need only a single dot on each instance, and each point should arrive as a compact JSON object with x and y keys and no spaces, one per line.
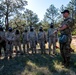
{"x":18,"y":64}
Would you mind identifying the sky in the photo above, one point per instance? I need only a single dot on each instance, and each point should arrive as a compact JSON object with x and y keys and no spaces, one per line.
{"x":39,"y":6}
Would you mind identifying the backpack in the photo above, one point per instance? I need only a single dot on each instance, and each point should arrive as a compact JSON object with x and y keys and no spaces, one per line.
{"x":63,"y":39}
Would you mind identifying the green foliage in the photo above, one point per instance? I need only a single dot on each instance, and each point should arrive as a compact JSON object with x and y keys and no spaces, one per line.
{"x":74,"y":32}
{"x":11,"y":7}
{"x":51,"y":14}
{"x":19,"y":24}
{"x":30,"y":17}
{"x":25,"y":20}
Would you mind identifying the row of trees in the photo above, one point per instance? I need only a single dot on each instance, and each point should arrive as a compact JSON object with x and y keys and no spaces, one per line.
{"x":8,"y":8}
{"x":15,"y":14}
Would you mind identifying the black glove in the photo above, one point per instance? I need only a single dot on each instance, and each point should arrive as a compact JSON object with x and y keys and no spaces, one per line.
{"x":9,"y":42}
{"x":45,"y":41}
{"x":0,"y":37}
{"x":36,"y":42}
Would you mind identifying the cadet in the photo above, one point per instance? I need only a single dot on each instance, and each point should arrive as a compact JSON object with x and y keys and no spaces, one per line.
{"x":25,"y":41}
{"x":52,"y":39}
{"x":32,"y":39}
{"x":42,"y":40}
{"x":10,"y":41}
{"x":2,"y":41}
{"x":17,"y":41}
{"x":65,"y":39}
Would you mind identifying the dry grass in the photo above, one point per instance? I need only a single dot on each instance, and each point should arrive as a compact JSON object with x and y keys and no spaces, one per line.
{"x":37,"y":64}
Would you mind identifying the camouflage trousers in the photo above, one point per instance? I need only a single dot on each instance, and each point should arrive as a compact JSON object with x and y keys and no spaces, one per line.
{"x":65,"y":50}
{"x":52,"y":41}
{"x":42,"y":46}
{"x":25,"y":46}
{"x":17,"y":45}
{"x":33,"y":45}
{"x":9,"y":48}
{"x":3,"y":45}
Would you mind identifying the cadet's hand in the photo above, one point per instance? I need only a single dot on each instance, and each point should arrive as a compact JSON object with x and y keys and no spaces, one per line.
{"x":56,"y":40}
{"x":55,"y":31}
{"x":36,"y":42}
{"x":27,"y":40}
{"x":45,"y":41}
{"x":0,"y":38}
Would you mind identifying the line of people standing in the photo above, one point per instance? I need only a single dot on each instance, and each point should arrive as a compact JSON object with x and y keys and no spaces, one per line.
{"x":12,"y":38}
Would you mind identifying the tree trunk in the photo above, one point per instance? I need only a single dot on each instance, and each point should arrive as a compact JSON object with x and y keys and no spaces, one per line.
{"x":6,"y":19}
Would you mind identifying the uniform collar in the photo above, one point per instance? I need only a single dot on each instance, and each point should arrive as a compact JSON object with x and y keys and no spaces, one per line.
{"x":66,"y":18}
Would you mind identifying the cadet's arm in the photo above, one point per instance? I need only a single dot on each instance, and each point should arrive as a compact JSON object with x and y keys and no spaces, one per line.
{"x":62,"y":28}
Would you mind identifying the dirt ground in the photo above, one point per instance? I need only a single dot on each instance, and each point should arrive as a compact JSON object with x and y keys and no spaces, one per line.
{"x":74,"y":42}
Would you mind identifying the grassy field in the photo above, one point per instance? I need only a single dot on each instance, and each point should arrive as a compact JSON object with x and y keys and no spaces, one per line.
{"x":37,"y":64}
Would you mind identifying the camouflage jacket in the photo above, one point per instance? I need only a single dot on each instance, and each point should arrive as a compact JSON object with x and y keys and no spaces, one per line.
{"x":41,"y":36}
{"x":2,"y":36}
{"x":70,"y":23}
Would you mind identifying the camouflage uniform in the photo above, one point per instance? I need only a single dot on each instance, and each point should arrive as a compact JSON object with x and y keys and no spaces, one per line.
{"x":17,"y":41}
{"x":2,"y":40}
{"x":25,"y":41}
{"x":10,"y":41}
{"x":52,"y":39}
{"x":42,"y":40}
{"x":32,"y":39}
{"x":65,"y":48}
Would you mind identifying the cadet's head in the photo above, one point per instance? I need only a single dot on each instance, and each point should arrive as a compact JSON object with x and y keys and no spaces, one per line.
{"x":10,"y":29}
{"x":31,"y":29}
{"x":51,"y":25}
{"x":17,"y":32}
{"x":1,"y":28}
{"x":41,"y":29}
{"x":25,"y":30}
{"x":65,"y":13}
